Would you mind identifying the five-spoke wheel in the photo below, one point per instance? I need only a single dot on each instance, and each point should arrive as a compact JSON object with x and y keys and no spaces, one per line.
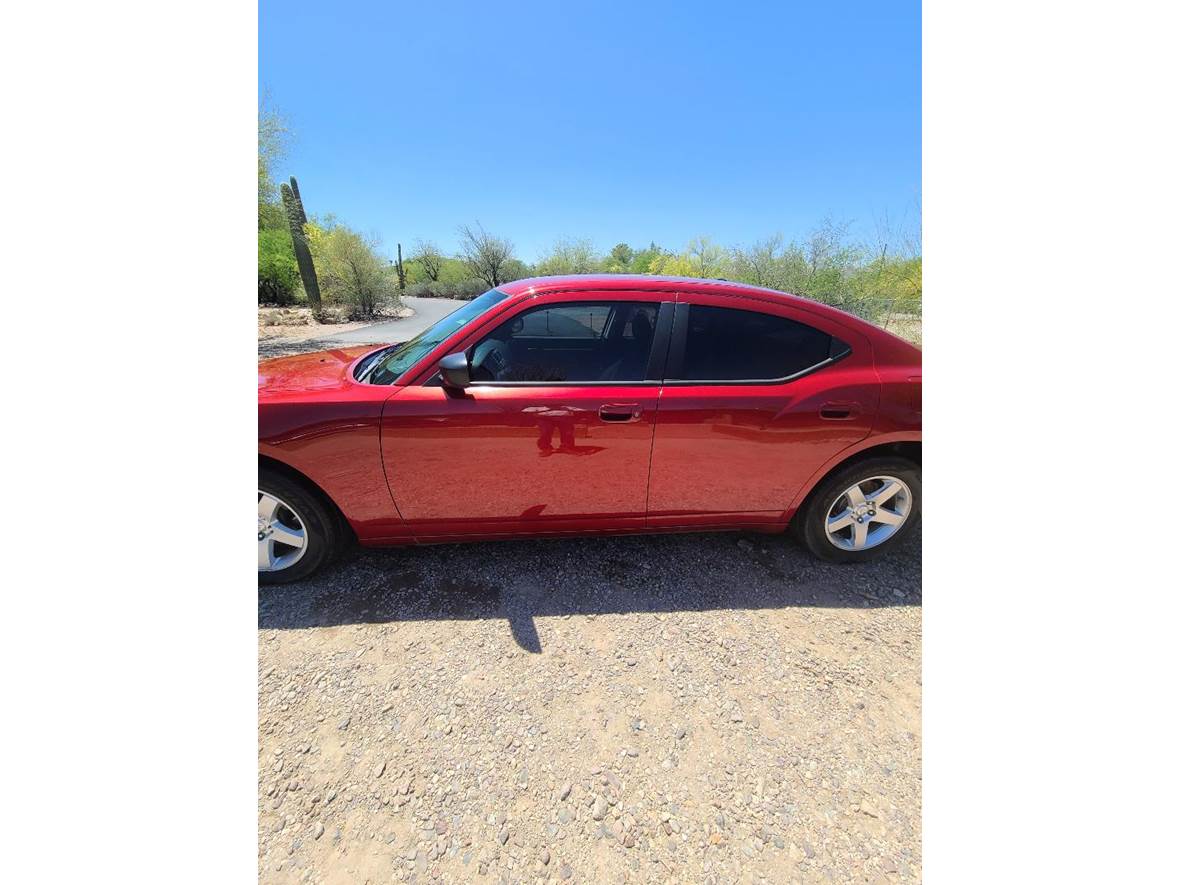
{"x":868,"y":513}
{"x":282,"y":538}
{"x":297,"y":529}
{"x":861,"y":510}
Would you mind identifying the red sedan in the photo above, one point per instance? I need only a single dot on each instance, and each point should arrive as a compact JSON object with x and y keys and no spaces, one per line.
{"x":595,"y":404}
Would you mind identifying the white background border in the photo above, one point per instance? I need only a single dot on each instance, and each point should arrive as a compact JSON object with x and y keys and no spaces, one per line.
{"x":1050,"y":207}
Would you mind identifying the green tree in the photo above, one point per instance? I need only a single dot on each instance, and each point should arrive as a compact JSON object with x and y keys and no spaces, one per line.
{"x":761,"y":263}
{"x":514,"y":269}
{"x":620,"y":258}
{"x":486,"y":255}
{"x":274,"y":134}
{"x":701,"y":258}
{"x":644,"y":260}
{"x":569,"y":256}
{"x":429,"y":259}
{"x":278,"y":274}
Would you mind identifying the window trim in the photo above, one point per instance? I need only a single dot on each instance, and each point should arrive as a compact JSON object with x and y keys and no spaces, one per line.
{"x":659,"y":348}
{"x":679,"y":344}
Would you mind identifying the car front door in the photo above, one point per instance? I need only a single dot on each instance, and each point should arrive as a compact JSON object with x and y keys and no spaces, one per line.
{"x":757,"y":396}
{"x":554,"y":433}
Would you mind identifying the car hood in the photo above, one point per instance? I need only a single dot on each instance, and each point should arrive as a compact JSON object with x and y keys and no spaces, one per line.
{"x":309,"y":372}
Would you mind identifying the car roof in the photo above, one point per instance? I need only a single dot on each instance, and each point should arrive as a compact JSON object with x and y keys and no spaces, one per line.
{"x":641,"y":282}
{"x":656,"y":283}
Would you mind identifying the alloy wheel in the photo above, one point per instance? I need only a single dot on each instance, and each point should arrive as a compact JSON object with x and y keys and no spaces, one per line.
{"x":282,"y":534}
{"x":868,"y":513}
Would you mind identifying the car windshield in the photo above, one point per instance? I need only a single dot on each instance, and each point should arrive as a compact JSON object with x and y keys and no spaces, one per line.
{"x":391,"y":364}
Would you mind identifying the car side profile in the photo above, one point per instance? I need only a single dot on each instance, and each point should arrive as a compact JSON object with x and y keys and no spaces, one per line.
{"x":595,"y":405}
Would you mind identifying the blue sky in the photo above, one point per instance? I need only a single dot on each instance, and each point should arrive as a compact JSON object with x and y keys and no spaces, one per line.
{"x":621,"y":122}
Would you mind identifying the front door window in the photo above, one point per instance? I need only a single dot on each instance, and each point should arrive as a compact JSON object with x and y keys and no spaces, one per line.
{"x":584,"y":342}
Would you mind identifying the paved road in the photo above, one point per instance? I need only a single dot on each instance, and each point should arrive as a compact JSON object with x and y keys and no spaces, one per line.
{"x":427,"y":311}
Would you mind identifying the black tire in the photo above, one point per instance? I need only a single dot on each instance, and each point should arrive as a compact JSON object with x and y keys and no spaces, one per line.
{"x":808,"y":524}
{"x":322,"y":526}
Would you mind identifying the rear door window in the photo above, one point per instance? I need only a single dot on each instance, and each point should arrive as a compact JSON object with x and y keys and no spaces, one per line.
{"x":725,"y":344}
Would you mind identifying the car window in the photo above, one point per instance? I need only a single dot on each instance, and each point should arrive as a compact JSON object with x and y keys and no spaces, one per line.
{"x":569,"y":343}
{"x":724,"y":344}
{"x":567,"y":321}
{"x":388,"y":365}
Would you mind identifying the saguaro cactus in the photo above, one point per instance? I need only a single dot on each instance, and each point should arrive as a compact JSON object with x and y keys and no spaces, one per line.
{"x":401,"y":270}
{"x":298,"y":200}
{"x":296,"y":218}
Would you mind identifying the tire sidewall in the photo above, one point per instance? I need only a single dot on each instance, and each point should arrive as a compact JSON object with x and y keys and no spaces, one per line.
{"x":810,"y":521}
{"x":319,"y":525}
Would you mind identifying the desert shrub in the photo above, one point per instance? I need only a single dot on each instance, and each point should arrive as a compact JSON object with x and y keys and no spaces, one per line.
{"x":464,"y":290}
{"x":339,"y":313}
{"x":351,"y":273}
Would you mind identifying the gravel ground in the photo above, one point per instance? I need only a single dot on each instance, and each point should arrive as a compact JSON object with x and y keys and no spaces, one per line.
{"x":680,"y":708}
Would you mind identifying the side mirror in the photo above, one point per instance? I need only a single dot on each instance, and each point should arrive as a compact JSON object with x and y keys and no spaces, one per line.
{"x":456,"y":373}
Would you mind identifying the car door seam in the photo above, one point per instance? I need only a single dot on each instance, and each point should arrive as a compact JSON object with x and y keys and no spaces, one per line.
{"x":650,"y":456}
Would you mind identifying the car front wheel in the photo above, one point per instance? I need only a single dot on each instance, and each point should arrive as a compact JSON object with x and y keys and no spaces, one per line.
{"x":296,"y":534}
{"x":861,"y":511}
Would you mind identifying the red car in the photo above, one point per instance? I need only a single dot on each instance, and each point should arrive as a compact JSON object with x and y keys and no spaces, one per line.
{"x":595,"y":404}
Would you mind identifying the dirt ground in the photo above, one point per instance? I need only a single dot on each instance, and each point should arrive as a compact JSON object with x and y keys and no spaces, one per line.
{"x":689,"y":708}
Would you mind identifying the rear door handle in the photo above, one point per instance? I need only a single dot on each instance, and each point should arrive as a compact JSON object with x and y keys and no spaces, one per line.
{"x":839,"y":411}
{"x":620,"y":412}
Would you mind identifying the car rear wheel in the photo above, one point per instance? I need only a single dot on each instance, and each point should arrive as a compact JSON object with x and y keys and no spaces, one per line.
{"x":296,"y":533}
{"x":862,"y":511}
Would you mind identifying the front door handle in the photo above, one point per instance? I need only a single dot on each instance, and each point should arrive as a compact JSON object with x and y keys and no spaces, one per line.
{"x":620,"y":412}
{"x":839,"y":411}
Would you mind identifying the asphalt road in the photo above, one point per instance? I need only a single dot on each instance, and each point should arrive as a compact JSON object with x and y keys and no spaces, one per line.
{"x":427,"y":311}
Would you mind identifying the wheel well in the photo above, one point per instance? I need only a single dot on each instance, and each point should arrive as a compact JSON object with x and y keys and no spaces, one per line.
{"x":910,"y":451}
{"x":291,"y":473}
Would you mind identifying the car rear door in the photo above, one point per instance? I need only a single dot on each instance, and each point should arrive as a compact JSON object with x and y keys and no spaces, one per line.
{"x":555,"y":432}
{"x":757,"y":396}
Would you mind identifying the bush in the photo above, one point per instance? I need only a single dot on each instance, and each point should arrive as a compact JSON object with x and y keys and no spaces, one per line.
{"x":350,"y":271}
{"x":278,"y":274}
{"x":464,"y":290}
